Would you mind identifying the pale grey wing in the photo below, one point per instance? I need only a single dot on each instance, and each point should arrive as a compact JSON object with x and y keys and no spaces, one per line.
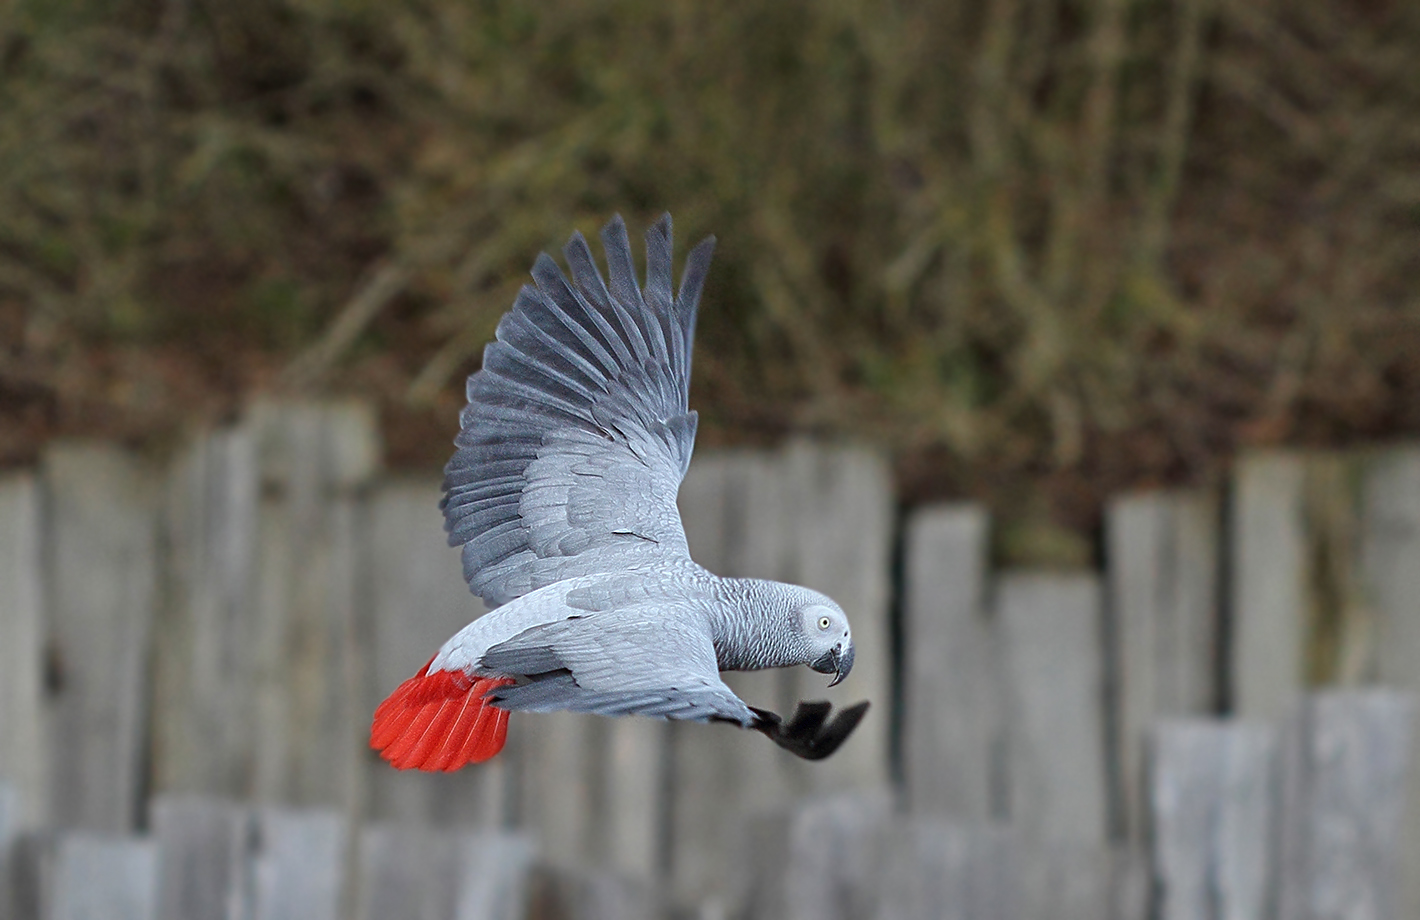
{"x":578,"y":429}
{"x":636,"y":662}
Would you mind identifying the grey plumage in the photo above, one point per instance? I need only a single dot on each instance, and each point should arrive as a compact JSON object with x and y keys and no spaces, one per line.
{"x":562,"y":493}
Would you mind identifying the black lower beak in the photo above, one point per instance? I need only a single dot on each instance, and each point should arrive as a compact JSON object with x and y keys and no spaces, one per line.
{"x":837,"y":662}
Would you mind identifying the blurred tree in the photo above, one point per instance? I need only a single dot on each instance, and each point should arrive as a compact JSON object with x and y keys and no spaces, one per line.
{"x":1100,"y":241}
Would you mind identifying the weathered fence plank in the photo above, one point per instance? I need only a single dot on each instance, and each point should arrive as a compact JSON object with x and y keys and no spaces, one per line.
{"x":562,"y":760}
{"x":580,"y":894}
{"x":1390,"y":562}
{"x":101,"y":593}
{"x":841,"y":540}
{"x":736,"y":519}
{"x":104,"y":878}
{"x":422,"y":873}
{"x":298,"y":869}
{"x":823,"y":859}
{"x":1212,"y":799}
{"x":494,"y":871}
{"x":1163,"y":565}
{"x":203,"y":846}
{"x":1268,"y":587}
{"x":406,"y":871}
{"x":1063,"y":881}
{"x":11,"y":821}
{"x":1345,"y":764}
{"x":310,"y":702}
{"x":23,"y":763}
{"x":940,"y":871}
{"x":418,"y":600}
{"x":1050,"y":632}
{"x":204,"y":722}
{"x":632,"y":820}
{"x":952,"y":722}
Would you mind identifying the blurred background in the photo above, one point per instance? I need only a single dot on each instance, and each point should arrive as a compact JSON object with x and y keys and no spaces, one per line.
{"x":1074,"y":345}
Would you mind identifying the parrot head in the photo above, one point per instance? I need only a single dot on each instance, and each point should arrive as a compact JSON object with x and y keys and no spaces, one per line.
{"x":829,"y":638}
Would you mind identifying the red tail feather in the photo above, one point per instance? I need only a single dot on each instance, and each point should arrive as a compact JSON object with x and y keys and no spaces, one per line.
{"x":440,"y":721}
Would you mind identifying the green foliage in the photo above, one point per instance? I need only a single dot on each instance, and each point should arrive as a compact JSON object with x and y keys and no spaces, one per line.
{"x":1035,"y":236}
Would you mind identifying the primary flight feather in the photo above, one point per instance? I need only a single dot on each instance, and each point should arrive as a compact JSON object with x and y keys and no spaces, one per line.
{"x":562,"y":493}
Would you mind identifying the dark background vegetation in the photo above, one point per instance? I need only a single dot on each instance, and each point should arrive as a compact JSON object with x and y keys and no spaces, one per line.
{"x":1041,"y":250}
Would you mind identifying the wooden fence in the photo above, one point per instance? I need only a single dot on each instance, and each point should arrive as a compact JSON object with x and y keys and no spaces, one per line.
{"x":190,"y":650}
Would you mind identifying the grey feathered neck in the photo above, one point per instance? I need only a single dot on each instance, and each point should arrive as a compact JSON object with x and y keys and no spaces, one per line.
{"x":755,"y":624}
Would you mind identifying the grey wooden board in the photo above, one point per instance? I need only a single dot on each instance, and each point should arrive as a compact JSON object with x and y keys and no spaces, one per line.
{"x":936,"y":870}
{"x":310,"y":702}
{"x":1268,"y":588}
{"x":734,"y":507}
{"x":10,"y":823}
{"x":1345,"y":766}
{"x":952,"y":722}
{"x":1063,"y":881}
{"x":1212,"y":796}
{"x":835,"y":857}
{"x":298,"y":869}
{"x":406,"y":872}
{"x":1050,"y":633}
{"x":100,"y":591}
{"x":23,"y":761}
{"x":633,"y":815}
{"x":561,"y":758}
{"x":1390,"y":558}
{"x":203,"y":849}
{"x":1163,"y":566}
{"x":418,"y":600}
{"x":204,"y":722}
{"x":842,"y":514}
{"x":577,"y":894}
{"x":414,"y":872}
{"x":494,"y":871}
{"x":103,"y":878}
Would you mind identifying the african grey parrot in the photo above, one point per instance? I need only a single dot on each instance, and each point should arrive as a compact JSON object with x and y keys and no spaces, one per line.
{"x":562,"y":493}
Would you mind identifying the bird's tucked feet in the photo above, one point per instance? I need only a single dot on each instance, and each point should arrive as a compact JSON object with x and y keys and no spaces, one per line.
{"x":810,"y":734}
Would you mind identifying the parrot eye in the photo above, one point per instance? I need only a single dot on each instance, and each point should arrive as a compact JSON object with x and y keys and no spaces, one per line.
{"x":823,"y":623}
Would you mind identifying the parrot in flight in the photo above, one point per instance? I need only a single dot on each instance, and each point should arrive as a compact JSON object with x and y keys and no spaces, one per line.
{"x":562,"y":493}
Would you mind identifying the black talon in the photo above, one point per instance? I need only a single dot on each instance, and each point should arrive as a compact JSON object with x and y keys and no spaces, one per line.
{"x":806,"y":735}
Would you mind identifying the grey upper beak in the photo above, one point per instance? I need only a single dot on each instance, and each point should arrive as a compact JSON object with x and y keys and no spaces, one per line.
{"x":843,"y":664}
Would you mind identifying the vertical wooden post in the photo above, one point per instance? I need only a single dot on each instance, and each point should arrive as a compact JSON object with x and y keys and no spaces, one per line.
{"x":940,"y":871}
{"x":1268,"y":585}
{"x":735,"y":509}
{"x":1050,"y":630}
{"x":311,"y":716}
{"x":406,"y":871}
{"x":494,"y":874}
{"x":418,"y":600}
{"x":10,"y":823}
{"x":203,"y":846}
{"x":1345,"y":765}
{"x":298,"y":870}
{"x":104,"y":878}
{"x":1212,"y":796}
{"x":1163,"y":566}
{"x":952,"y":722}
{"x":418,"y":872}
{"x":1390,"y":561}
{"x":842,"y":545}
{"x":101,"y":590}
{"x":23,"y":763}
{"x":204,"y":721}
{"x":1063,"y":881}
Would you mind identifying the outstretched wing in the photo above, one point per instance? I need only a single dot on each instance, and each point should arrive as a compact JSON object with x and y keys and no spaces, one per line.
{"x":633,"y":661}
{"x":578,"y":429}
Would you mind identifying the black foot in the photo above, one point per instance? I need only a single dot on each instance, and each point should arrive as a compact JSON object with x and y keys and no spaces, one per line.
{"x":806,"y":735}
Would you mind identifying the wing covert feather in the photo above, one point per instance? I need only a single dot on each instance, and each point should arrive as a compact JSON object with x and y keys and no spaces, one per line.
{"x":578,"y":429}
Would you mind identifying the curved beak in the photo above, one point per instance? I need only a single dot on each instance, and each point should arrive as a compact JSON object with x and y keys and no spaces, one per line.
{"x":837,"y":662}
